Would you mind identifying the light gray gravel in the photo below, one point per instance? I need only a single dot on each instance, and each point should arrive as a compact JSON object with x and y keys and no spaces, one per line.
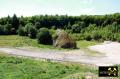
{"x":111,"y":57}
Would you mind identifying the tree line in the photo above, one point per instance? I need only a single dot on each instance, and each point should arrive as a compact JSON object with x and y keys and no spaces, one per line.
{"x":96,"y":27}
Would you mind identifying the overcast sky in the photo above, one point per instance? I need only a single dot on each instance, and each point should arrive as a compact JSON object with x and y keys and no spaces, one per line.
{"x":60,"y":7}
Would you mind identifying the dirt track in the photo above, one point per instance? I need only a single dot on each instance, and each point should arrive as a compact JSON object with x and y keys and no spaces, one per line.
{"x":78,"y":56}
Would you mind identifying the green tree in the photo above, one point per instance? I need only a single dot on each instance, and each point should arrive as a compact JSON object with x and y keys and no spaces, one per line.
{"x":27,"y":27}
{"x":15,"y":22}
{"x":32,"y":32}
{"x":76,"y":28}
{"x":44,"y":36}
{"x":7,"y":29}
{"x":1,"y":30}
{"x":37,"y":25}
{"x":21,"y":31}
{"x":96,"y":35}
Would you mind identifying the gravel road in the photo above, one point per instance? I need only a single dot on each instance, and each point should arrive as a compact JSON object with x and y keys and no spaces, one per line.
{"x":111,"y":51}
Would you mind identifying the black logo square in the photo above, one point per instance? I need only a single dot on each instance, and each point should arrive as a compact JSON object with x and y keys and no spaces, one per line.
{"x":108,"y":71}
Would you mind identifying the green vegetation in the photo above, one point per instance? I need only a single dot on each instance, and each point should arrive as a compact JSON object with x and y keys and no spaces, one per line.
{"x":20,"y":41}
{"x":92,"y":27}
{"x":26,"y":68}
{"x":84,"y":43}
{"x":44,"y":37}
{"x":86,"y":30}
{"x":21,"y":31}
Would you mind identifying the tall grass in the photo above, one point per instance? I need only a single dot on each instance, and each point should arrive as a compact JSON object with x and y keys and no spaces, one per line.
{"x":26,"y":68}
{"x":20,"y":41}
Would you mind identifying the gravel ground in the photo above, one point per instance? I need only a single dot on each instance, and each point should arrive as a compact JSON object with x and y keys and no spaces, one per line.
{"x":111,"y":51}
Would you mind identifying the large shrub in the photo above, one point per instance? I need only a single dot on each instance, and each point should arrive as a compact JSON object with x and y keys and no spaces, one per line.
{"x":30,"y":30}
{"x":91,"y":27}
{"x":118,"y":39}
{"x":21,"y":31}
{"x":37,"y":25}
{"x":76,"y":28}
{"x":44,"y":36}
{"x":53,"y":27}
{"x":7,"y":29}
{"x":27,"y":27}
{"x":1,"y":30}
{"x":77,"y":36}
{"x":87,"y":36}
{"x":96,"y":35}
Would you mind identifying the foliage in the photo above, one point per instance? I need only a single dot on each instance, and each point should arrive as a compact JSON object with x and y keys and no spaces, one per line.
{"x":32,"y":32}
{"x":53,"y":27}
{"x":44,"y":36}
{"x":76,"y":28}
{"x":15,"y":22}
{"x":92,"y":27}
{"x":20,"y":41}
{"x":52,"y":31}
{"x":96,"y":35}
{"x":1,"y":30}
{"x":27,"y":68}
{"x":37,"y":25}
{"x":21,"y":31}
{"x":87,"y":36}
{"x":27,"y":27}
{"x":85,"y":44}
{"x":77,"y":36}
{"x":7,"y":29}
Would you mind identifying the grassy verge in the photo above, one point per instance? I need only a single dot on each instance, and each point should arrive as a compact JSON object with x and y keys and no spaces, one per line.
{"x":83,"y":43}
{"x":20,"y":41}
{"x":26,"y":68}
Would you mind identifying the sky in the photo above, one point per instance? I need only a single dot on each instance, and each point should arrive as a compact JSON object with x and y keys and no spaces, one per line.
{"x":60,"y":7}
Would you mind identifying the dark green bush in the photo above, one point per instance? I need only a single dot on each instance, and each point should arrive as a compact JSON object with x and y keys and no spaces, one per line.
{"x":87,"y":36}
{"x":1,"y":30}
{"x":76,"y":28}
{"x":21,"y":31}
{"x":32,"y":32}
{"x":53,"y":27}
{"x":54,"y":36}
{"x":77,"y":36}
{"x":27,"y":27}
{"x":44,"y":37}
{"x":37,"y":25}
{"x":96,"y":35}
{"x":52,"y":32}
{"x":7,"y":29}
{"x":117,"y":37}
